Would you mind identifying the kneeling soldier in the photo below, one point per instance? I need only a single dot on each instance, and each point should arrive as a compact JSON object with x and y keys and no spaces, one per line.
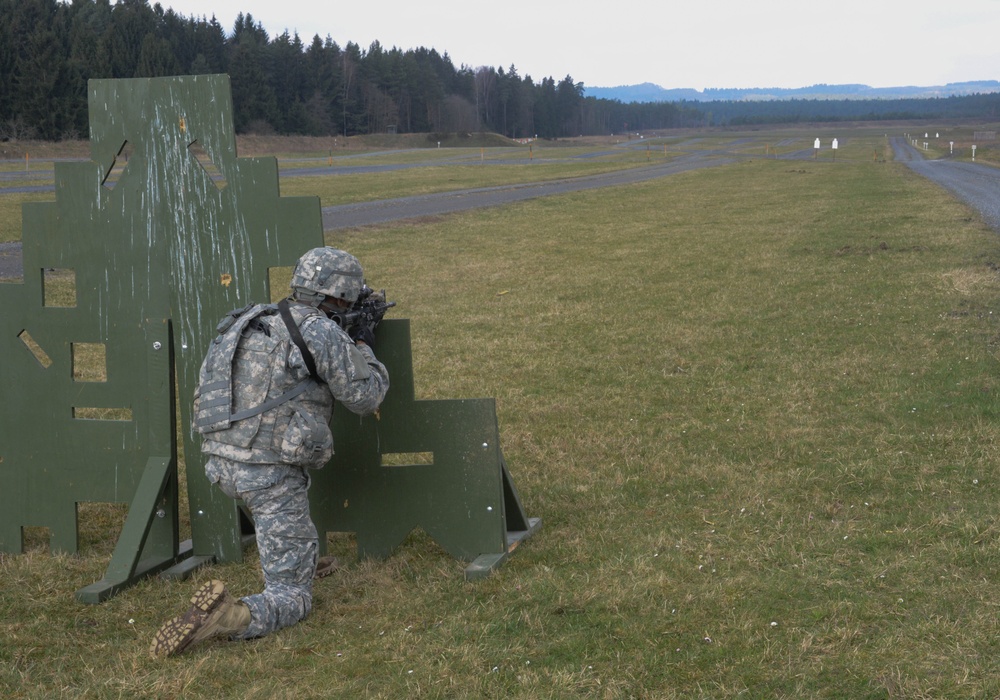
{"x":263,"y":405}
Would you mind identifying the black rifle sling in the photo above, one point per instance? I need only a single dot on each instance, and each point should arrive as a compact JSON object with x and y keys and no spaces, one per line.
{"x":293,"y":330}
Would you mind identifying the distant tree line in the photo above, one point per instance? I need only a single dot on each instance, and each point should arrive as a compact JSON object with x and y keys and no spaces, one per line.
{"x":50,"y":48}
{"x":984,"y":107}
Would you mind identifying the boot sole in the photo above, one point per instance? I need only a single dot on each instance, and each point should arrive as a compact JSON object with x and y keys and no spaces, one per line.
{"x":326,"y":566}
{"x":177,"y":634}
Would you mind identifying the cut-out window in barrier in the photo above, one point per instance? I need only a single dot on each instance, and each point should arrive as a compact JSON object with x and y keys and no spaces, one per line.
{"x":278,"y":279}
{"x":35,"y":349}
{"x":89,"y":413}
{"x":407,"y":459}
{"x":90,"y":362}
{"x":200,"y":155}
{"x":118,"y":166}
{"x":58,"y":287}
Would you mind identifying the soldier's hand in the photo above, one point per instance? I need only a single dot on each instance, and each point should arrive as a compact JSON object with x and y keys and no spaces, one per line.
{"x":363,"y":333}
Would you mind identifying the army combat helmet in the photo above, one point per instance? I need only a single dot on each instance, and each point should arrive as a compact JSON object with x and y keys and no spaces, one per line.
{"x":327,"y":272}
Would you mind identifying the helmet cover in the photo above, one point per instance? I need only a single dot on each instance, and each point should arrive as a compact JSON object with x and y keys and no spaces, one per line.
{"x":330,"y":272}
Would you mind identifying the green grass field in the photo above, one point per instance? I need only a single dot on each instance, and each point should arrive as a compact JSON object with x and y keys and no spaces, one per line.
{"x":755,"y":406}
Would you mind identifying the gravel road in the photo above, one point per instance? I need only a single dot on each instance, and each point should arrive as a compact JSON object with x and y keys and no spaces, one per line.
{"x":976,"y":185}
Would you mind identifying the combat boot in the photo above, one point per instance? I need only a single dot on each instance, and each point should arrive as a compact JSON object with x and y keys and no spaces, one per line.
{"x":326,"y":566}
{"x":213,"y":613}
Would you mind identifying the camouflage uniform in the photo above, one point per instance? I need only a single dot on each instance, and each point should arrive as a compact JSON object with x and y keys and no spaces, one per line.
{"x":261,"y":459}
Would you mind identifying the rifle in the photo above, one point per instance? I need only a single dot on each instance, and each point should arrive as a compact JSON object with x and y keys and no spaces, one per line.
{"x":368,"y":310}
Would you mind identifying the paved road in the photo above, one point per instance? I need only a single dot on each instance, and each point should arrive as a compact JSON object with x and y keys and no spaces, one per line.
{"x":377,"y":212}
{"x":976,"y":185}
{"x":10,"y":260}
{"x":366,"y":213}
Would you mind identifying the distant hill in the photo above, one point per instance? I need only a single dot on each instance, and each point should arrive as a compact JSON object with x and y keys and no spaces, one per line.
{"x":648,"y":92}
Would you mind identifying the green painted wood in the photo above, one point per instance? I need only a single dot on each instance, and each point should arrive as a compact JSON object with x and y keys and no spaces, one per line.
{"x":149,"y":540}
{"x":161,"y":233}
{"x":464,"y":498}
{"x":164,"y":222}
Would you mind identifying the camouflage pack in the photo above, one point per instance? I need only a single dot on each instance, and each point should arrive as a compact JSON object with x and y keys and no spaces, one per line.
{"x":213,"y":397}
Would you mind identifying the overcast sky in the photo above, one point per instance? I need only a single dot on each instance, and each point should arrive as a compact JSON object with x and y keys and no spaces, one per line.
{"x":693,"y":44}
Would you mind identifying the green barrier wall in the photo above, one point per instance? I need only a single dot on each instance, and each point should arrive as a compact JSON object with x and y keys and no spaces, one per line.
{"x":127,"y":272}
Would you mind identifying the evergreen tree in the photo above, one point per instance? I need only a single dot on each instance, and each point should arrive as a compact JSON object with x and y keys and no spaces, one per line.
{"x":131,"y":21}
{"x":546,"y":113}
{"x":40,"y":69}
{"x":89,"y":22}
{"x":8,"y":64}
{"x":569,"y":95}
{"x":50,"y":48}
{"x":322,"y":107}
{"x":156,"y":59}
{"x":526,"y":97}
{"x":291,"y":83}
{"x":350,"y":60}
{"x":428,"y":91}
{"x":254,"y":103}
{"x":178,"y":36}
{"x":209,"y":48}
